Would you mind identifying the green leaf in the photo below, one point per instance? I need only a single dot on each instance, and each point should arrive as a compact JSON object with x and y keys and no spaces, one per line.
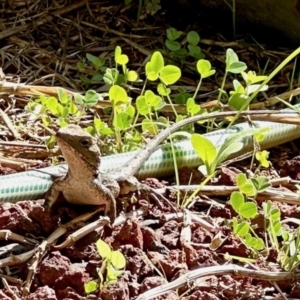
{"x":234,"y":138}
{"x":254,"y":87}
{"x":194,"y":50}
{"x":204,"y":68}
{"x":231,"y":57}
{"x":191,"y":107}
{"x":151,"y":74}
{"x":241,"y":179}
{"x":251,"y":78}
{"x":90,"y":287}
{"x":238,"y":88}
{"x":173,"y":45}
{"x":237,"y":67}
{"x":111,"y":276}
{"x":248,"y":210}
{"x":122,"y":120}
{"x":181,"y":53}
{"x":259,"y":244}
{"x":97,"y":62}
{"x":205,"y":149}
{"x":173,"y":34}
{"x":118,"y":259}
{"x":157,"y":61}
{"x":277,"y":227}
{"x":84,"y":79}
{"x":193,"y":38}
{"x":91,"y":98}
{"x":122,"y":59}
{"x":96,"y":78}
{"x":118,"y":51}
{"x":233,"y":64}
{"x":232,"y":148}
{"x":52,"y":105}
{"x":101,"y":127}
{"x":50,"y":142}
{"x":152,"y":99}
{"x":237,"y":200}
{"x":163,"y":90}
{"x":262,"y":157}
{"x":103,"y":249}
{"x":111,"y":76}
{"x":63,"y":112}
{"x":73,"y":109}
{"x":248,"y":189}
{"x":169,"y":74}
{"x":253,"y":242}
{"x":274,"y":214}
{"x":117,"y":94}
{"x":132,"y":76}
{"x":46,"y":121}
{"x":63,"y":96}
{"x":149,"y":126}
{"x":267,"y":206}
{"x":242,"y":229}
{"x":261,"y":183}
{"x":237,"y":100}
{"x":62,"y":122}
{"x":142,"y":106}
{"x":79,"y":98}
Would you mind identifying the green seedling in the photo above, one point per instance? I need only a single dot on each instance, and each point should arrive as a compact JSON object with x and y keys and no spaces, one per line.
{"x":55,"y":110}
{"x":182,"y":96}
{"x":247,"y":210}
{"x":234,"y":66}
{"x":91,"y":71}
{"x":176,"y":48}
{"x":288,"y":250}
{"x":289,"y":255}
{"x":240,"y":94}
{"x":113,"y":263}
{"x":251,"y":187}
{"x":273,"y":223}
{"x":262,"y":157}
{"x":211,"y":155}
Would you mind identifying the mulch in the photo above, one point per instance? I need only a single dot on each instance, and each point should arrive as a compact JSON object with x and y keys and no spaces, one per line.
{"x":41,"y":43}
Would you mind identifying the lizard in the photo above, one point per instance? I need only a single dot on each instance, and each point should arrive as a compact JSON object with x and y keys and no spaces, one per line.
{"x":85,"y":184}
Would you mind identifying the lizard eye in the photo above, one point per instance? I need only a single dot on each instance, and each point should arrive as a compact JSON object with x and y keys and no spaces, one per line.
{"x":85,"y":142}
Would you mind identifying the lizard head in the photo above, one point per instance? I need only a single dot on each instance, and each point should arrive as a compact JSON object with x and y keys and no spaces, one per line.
{"x":78,"y":146}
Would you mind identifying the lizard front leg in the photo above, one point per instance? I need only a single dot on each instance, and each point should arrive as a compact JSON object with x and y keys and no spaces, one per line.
{"x":110,"y":189}
{"x":54,"y":191}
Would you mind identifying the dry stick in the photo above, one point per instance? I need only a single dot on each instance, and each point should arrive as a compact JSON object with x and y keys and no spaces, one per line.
{"x":13,"y":294}
{"x":22,"y":144}
{"x":32,"y":267}
{"x":216,"y":271}
{"x":270,"y":194}
{"x":9,"y":124}
{"x":8,"y":235}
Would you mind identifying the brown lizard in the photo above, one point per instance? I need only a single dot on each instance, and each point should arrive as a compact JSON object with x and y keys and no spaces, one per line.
{"x":84,"y":184}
